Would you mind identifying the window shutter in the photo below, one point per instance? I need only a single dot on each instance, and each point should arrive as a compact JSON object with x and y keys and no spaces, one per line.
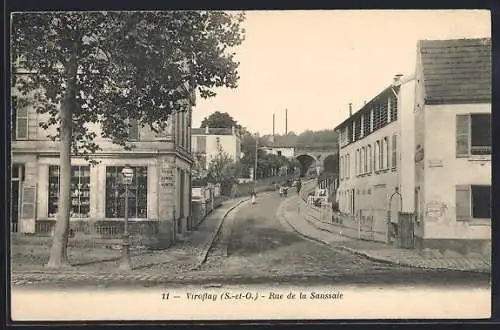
{"x":462,"y":136}
{"x":28,"y":209}
{"x":463,"y":203}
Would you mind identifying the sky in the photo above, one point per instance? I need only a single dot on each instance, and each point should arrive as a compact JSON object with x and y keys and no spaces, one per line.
{"x":315,"y":62}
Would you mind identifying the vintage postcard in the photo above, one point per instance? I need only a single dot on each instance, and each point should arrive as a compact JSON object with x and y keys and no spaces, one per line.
{"x":222,"y":165}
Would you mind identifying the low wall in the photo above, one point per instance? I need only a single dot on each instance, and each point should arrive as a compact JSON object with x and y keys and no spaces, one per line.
{"x":200,"y":209}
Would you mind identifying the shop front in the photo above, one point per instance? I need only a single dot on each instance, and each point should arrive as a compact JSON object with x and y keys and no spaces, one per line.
{"x":157,"y":196}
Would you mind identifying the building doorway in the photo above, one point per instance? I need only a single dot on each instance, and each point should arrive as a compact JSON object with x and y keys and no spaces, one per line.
{"x":16,"y":194}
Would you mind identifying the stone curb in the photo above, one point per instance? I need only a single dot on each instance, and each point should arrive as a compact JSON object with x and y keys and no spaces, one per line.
{"x":204,"y":254}
{"x":407,"y":264}
{"x":377,"y":258}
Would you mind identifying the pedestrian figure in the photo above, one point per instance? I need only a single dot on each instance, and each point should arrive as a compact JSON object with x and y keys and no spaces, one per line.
{"x":298,"y":186}
{"x":254,"y":197}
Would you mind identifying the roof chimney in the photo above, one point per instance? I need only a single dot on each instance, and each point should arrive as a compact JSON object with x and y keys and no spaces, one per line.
{"x":397,"y":79}
{"x":350,"y":109}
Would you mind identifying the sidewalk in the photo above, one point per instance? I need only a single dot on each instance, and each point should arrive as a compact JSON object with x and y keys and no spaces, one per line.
{"x":181,"y":256}
{"x":330,"y":234}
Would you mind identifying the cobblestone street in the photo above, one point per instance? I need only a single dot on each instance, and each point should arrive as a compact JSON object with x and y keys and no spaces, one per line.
{"x":261,"y":246}
{"x":256,"y":245}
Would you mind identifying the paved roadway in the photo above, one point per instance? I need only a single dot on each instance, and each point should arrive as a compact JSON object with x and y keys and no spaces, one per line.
{"x":256,"y":248}
{"x":260,"y":247}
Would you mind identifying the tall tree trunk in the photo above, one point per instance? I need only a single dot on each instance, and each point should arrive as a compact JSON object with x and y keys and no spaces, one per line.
{"x":58,"y":252}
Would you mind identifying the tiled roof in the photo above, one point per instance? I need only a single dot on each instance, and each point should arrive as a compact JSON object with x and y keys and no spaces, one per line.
{"x":456,"y":71}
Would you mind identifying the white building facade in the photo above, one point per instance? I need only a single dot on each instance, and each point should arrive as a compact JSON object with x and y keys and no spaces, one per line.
{"x":206,"y":142}
{"x":376,"y":158}
{"x":288,"y":152}
{"x":453,"y":145}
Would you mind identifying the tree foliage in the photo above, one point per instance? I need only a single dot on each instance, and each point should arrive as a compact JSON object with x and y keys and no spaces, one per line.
{"x":221,"y":168}
{"x":107,"y":68}
{"x":220,"y":120}
{"x":130,"y":65}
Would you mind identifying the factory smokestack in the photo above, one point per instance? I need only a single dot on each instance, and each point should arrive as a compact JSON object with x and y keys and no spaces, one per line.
{"x":273,"y":129}
{"x":286,"y":121}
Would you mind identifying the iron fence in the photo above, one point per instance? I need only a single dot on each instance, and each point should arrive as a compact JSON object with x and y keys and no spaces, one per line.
{"x":367,"y":224}
{"x":96,"y":234}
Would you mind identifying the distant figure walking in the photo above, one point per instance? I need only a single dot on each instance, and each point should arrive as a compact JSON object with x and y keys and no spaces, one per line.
{"x":299,"y":185}
{"x":254,"y":196}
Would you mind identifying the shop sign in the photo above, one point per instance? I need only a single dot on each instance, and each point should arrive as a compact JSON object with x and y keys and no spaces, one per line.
{"x":435,"y":209}
{"x":166,"y":177}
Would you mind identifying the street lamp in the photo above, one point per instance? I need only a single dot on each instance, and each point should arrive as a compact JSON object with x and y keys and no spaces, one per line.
{"x":127,"y":174}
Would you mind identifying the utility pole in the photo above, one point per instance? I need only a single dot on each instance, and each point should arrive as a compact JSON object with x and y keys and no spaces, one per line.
{"x":256,"y":155}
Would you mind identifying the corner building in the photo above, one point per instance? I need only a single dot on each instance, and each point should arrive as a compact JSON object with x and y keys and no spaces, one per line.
{"x":159,"y":197}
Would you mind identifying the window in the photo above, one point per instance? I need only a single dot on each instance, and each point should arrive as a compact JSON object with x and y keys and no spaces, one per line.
{"x":369,"y":158}
{"x":381,"y":164}
{"x":133,"y":130}
{"x":137,"y":194}
{"x":481,"y":202}
{"x":480,"y":125}
{"x":341,"y":167}
{"x":365,"y":160}
{"x":387,"y":153}
{"x":366,"y":124}
{"x":376,"y":156}
{"x":360,"y":161}
{"x":19,"y":119}
{"x":394,"y":152}
{"x":393,"y":102}
{"x":384,"y":113}
{"x":371,"y":116}
{"x":376,"y":117}
{"x":473,"y":202}
{"x":279,"y":152}
{"x":348,"y":166}
{"x":473,"y":135}
{"x":356,"y":162}
{"x":349,"y":133}
{"x":80,"y":191}
{"x":357,"y":128}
